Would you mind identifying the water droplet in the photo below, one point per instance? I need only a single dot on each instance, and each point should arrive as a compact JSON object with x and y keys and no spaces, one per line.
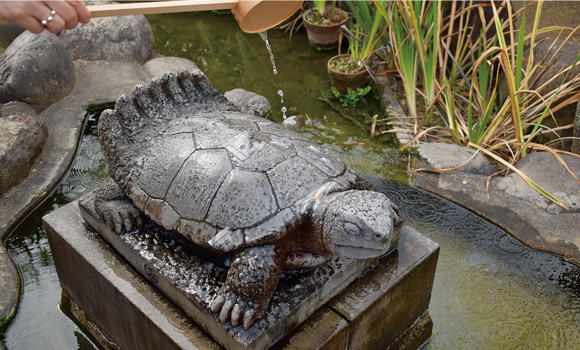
{"x":284,"y":112}
{"x":281,"y":93}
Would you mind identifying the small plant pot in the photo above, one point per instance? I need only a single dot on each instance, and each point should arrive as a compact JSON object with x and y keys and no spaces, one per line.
{"x":323,"y":37}
{"x":342,"y":80}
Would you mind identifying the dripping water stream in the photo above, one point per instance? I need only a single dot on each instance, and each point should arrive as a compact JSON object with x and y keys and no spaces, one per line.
{"x":264,"y":36}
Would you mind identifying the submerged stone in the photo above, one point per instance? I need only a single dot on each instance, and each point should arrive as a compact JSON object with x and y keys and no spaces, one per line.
{"x":9,"y":289}
{"x":249,"y":102}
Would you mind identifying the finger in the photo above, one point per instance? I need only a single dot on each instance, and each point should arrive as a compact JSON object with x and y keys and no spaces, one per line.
{"x":24,"y":14}
{"x":217,"y":303}
{"x":236,"y":314}
{"x":225,"y":314}
{"x":66,"y":12}
{"x":56,"y":24}
{"x":31,"y":24}
{"x":83,"y":13}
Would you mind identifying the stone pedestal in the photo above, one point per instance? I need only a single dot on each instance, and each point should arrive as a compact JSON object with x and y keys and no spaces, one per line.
{"x":386,"y":308}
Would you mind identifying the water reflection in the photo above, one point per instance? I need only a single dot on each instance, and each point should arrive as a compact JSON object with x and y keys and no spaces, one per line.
{"x":39,"y":323}
{"x":490,"y":290}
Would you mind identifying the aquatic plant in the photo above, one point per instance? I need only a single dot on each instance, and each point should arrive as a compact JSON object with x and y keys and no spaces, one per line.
{"x":352,"y":97}
{"x":366,"y":31}
{"x":461,"y":87}
{"x":414,"y":32}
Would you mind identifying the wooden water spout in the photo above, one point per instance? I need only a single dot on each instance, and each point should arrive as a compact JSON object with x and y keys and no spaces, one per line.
{"x":253,"y":16}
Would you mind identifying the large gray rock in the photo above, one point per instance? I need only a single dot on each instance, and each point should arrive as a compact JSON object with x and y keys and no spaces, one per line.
{"x":249,"y":102}
{"x":36,"y":69}
{"x":9,"y":289}
{"x":159,"y":66}
{"x":444,"y":156}
{"x":558,"y":55}
{"x":549,"y":174}
{"x":515,"y":206}
{"x":126,"y":38}
{"x":22,"y":136}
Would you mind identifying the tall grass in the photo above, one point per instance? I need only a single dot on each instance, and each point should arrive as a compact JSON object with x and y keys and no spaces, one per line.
{"x":459,"y":79}
{"x":367,"y":29}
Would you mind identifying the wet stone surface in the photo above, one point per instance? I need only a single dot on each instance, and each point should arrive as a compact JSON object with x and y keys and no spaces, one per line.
{"x":512,"y":203}
{"x":22,"y":137}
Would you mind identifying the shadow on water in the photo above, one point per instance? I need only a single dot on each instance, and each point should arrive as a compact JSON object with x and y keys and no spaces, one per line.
{"x":490,"y":291}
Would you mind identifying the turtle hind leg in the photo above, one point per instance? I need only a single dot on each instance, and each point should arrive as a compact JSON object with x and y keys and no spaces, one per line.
{"x":190,"y":90}
{"x":250,"y":284}
{"x":201,"y":92}
{"x":172,"y":96}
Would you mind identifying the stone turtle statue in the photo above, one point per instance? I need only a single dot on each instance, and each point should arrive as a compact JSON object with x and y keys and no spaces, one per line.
{"x":236,"y":185}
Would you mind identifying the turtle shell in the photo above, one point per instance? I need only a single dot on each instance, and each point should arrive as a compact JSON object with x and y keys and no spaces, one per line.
{"x":192,"y":163}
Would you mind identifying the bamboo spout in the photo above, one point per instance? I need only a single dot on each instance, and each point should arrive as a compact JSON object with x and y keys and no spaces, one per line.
{"x":253,"y":16}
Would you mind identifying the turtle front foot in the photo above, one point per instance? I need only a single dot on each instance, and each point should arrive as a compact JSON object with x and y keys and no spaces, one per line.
{"x":115,"y":209}
{"x":121,"y":216}
{"x":251,"y":281}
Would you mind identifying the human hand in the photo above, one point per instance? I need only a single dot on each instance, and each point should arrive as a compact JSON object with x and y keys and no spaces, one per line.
{"x":30,"y":14}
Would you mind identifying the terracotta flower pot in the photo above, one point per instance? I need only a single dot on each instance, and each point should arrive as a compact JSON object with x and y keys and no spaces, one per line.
{"x":323,"y":37}
{"x":343,"y":80}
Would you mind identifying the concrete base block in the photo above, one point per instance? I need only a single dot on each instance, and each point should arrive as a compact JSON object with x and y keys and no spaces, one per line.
{"x":121,"y":310}
{"x":393,"y":297}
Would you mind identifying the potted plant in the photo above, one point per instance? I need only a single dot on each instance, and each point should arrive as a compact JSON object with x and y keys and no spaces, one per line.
{"x":351,"y":69}
{"x":323,"y":23}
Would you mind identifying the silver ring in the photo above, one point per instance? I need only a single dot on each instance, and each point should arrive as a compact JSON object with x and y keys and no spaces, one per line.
{"x":45,"y":21}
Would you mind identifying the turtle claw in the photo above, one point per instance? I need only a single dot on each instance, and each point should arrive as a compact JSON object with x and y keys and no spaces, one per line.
{"x":227,"y":308}
{"x":251,"y":281}
{"x":249,"y":318}
{"x":121,"y":216}
{"x":217,"y":304}
{"x":236,"y":314}
{"x":115,"y":209}
{"x":235,"y":309}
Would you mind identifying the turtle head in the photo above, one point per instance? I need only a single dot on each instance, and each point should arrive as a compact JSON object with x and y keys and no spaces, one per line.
{"x":358,"y":224}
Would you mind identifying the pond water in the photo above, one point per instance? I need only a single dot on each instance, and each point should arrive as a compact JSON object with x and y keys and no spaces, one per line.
{"x":490,"y":291}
